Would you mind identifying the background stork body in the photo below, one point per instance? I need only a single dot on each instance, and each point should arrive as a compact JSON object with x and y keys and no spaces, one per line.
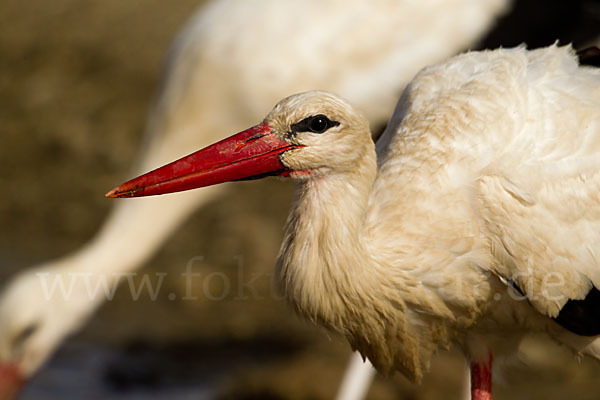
{"x":220,"y":79}
{"x":484,"y":186}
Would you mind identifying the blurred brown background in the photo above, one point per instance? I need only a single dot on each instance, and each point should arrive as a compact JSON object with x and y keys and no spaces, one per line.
{"x":76,"y":82}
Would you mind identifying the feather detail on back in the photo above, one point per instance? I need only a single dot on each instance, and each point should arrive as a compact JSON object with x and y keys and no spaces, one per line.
{"x":487,"y":173}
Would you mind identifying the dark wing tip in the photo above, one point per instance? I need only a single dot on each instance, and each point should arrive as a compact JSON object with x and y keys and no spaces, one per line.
{"x":582,"y":317}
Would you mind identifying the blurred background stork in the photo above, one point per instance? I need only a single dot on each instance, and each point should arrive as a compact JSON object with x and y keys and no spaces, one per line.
{"x":77,"y":82}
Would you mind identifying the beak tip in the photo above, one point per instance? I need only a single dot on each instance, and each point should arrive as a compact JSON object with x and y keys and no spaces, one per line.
{"x":114,"y":193}
{"x":120,"y":192}
{"x":11,"y":382}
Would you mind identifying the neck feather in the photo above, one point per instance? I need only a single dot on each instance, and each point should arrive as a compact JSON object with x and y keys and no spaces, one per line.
{"x":323,"y":258}
{"x":332,"y":271}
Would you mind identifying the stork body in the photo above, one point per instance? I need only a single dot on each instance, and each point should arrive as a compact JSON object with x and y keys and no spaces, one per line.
{"x":221,"y":74}
{"x":475,"y":221}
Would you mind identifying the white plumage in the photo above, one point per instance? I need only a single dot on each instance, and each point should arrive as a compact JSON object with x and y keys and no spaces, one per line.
{"x":489,"y":165}
{"x":475,"y":221}
{"x":487,"y":174}
{"x":233,"y":60}
{"x":223,"y":72}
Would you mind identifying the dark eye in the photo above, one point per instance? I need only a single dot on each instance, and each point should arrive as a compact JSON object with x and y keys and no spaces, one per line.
{"x":319,"y":124}
{"x":24,"y":334}
{"x":316,"y":124}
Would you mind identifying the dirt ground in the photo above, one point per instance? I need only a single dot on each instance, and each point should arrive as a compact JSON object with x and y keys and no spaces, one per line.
{"x":76,"y":82}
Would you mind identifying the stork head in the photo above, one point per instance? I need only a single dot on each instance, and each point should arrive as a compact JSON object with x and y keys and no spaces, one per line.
{"x":32,"y":325}
{"x":305,"y":135}
{"x":329,"y":133}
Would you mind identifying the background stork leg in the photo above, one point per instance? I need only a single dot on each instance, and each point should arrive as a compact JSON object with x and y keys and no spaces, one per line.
{"x":481,"y":379}
{"x":357,"y":379}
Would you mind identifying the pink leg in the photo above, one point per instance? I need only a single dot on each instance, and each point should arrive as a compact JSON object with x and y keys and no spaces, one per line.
{"x":481,"y":380}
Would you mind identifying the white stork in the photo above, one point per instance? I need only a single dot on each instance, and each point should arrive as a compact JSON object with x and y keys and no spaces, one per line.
{"x":475,"y":219}
{"x":222,"y":73}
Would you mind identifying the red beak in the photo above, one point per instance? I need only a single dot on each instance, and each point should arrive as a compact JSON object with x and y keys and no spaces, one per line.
{"x":253,"y":153}
{"x":11,"y":382}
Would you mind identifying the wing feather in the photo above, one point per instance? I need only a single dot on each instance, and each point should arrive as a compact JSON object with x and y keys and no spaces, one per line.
{"x":540,"y":202}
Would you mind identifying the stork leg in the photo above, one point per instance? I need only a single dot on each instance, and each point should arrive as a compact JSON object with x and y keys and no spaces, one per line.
{"x":481,"y":379}
{"x":357,"y":379}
